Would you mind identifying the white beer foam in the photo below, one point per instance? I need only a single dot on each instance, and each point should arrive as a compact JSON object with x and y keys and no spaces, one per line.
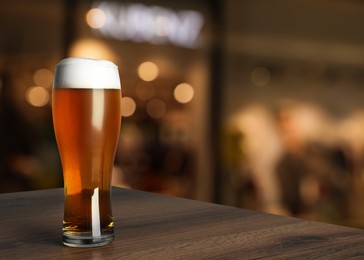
{"x":86,"y":73}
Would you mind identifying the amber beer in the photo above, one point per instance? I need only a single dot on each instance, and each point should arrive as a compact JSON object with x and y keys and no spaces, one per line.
{"x":87,"y":118}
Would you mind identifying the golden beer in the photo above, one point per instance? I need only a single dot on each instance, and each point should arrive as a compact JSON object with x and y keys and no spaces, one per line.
{"x":87,"y":126}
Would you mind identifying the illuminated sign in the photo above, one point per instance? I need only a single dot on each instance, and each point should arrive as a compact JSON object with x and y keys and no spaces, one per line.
{"x":141,"y":23}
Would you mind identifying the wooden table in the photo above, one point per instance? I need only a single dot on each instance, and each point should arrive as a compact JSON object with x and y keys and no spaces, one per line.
{"x":150,"y":226}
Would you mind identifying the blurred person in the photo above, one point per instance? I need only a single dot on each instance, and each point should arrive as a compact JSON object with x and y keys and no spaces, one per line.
{"x":350,"y":134}
{"x":314,"y":170}
{"x":292,"y":167}
{"x":262,"y":148}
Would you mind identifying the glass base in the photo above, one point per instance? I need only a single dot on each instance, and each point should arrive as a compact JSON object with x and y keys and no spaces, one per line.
{"x":85,"y":240}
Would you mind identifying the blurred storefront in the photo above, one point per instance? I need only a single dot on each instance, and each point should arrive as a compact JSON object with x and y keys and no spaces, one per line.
{"x":162,"y":52}
{"x":254,"y":103}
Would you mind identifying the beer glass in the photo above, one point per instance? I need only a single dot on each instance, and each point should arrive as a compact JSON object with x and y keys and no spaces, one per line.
{"x":86,"y":117}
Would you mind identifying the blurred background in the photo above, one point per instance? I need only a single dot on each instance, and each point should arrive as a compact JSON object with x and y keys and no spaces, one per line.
{"x":256,"y":104}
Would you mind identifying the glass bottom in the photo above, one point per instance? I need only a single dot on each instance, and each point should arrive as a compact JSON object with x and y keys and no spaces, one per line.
{"x":86,"y":240}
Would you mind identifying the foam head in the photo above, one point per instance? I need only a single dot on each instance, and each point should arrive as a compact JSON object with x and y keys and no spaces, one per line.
{"x":86,"y":73}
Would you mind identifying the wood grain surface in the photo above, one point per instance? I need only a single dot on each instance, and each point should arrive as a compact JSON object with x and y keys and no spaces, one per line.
{"x":150,"y":226}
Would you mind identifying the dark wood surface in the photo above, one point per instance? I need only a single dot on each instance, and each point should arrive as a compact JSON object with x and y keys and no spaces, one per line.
{"x":150,"y":226}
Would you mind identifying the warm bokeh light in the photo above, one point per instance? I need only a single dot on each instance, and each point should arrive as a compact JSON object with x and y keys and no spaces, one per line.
{"x":96,"y":18}
{"x":128,"y":106}
{"x":156,"y":108}
{"x":145,"y":90}
{"x":91,"y":48}
{"x":184,"y":93}
{"x":43,"y":77}
{"x":148,"y":71}
{"x":37,"y":96}
{"x":260,"y":76}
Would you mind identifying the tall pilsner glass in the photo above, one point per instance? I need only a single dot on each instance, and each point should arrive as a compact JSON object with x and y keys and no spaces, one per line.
{"x":86,"y":116}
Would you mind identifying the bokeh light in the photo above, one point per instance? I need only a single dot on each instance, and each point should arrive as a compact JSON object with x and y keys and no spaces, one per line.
{"x":156,"y":108}
{"x":128,"y":106}
{"x":260,"y":76}
{"x":91,"y":48}
{"x":43,"y":77}
{"x":148,"y":71}
{"x":96,"y":18}
{"x":184,"y":93}
{"x":145,"y":90}
{"x":37,"y":96}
